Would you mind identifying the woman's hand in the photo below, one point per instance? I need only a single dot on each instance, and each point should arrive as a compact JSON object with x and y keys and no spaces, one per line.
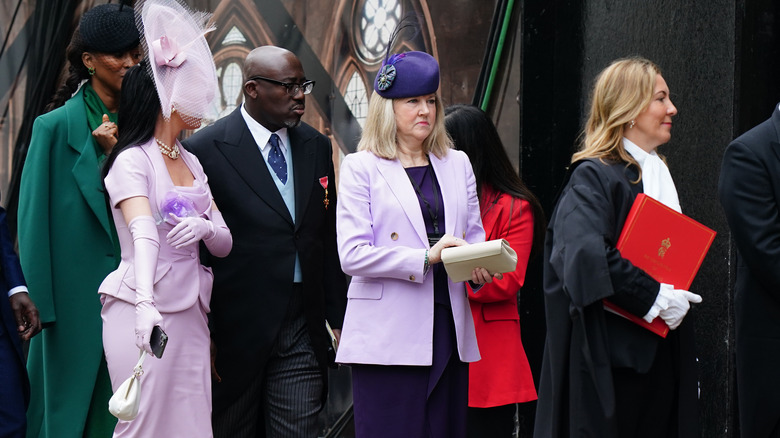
{"x":446,"y":241}
{"x":106,"y":134}
{"x":679,"y":304}
{"x":482,"y":276}
{"x":146,"y":317}
{"x":189,"y":230}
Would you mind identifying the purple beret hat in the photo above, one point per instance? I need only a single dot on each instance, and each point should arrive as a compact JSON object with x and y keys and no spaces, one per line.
{"x":406,"y":75}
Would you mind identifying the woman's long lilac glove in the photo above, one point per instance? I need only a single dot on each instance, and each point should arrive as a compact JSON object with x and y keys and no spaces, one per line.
{"x":146,"y":246}
{"x":221,"y":242}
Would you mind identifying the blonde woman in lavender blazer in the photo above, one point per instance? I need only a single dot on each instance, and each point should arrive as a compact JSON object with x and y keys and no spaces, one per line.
{"x":408,"y":333}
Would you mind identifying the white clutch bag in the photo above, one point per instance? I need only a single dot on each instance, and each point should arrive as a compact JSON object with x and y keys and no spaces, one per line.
{"x":125,"y":401}
{"x":493,"y":255}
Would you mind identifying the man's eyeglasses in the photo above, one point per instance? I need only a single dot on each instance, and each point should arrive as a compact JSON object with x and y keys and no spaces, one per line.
{"x":292,"y":88}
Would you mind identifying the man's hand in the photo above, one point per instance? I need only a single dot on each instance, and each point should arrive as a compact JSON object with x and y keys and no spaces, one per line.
{"x":26,"y":314}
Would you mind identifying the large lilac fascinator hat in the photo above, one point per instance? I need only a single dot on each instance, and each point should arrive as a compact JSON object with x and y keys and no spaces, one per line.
{"x":180,"y":60}
{"x":406,"y":74}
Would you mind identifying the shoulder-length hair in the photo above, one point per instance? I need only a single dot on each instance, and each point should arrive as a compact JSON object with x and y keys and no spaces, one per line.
{"x":473,"y":132}
{"x":379,"y":134}
{"x":622,"y":91}
{"x":139,"y":109}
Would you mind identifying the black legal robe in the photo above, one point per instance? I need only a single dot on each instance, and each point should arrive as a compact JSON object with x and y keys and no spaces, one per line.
{"x":584,"y":342}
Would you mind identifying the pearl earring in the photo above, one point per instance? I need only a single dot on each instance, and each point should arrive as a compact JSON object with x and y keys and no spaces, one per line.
{"x":631,"y":124}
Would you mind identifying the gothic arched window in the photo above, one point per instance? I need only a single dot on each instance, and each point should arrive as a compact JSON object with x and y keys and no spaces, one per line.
{"x":231,"y":79}
{"x":357,"y":99}
{"x":376,"y":22}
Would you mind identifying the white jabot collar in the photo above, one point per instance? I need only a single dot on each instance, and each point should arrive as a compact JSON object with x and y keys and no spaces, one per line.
{"x":656,"y":179}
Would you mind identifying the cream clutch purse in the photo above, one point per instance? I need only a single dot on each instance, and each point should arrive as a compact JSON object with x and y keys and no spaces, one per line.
{"x":125,"y":401}
{"x":493,"y":255}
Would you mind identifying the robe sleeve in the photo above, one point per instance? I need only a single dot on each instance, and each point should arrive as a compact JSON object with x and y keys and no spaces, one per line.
{"x":583,"y":255}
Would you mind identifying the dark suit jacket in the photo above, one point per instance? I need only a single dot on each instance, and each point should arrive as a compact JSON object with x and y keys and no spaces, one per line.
{"x":253,"y":284}
{"x":10,"y":277}
{"x":750,"y":194}
{"x":584,"y":342}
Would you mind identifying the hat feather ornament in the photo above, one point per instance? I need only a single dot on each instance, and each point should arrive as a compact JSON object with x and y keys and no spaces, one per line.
{"x":406,"y":74}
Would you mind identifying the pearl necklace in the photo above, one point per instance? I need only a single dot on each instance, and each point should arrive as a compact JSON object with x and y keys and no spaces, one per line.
{"x":172,"y":152}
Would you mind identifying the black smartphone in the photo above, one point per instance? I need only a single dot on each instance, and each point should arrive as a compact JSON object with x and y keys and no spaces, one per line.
{"x":158,"y":340}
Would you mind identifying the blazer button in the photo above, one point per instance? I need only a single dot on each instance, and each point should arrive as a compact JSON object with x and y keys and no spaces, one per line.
{"x":411,"y":278}
{"x":464,"y":234}
{"x":394,"y":236}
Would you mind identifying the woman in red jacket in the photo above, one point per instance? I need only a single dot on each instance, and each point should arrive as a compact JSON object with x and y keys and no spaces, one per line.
{"x":509,"y":211}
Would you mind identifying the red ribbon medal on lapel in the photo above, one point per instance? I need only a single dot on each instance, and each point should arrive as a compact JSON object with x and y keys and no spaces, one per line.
{"x":324,"y":184}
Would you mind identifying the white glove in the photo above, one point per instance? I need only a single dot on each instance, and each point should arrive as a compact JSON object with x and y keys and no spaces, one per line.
{"x":146,"y":247}
{"x":679,"y":303}
{"x":189,"y":230}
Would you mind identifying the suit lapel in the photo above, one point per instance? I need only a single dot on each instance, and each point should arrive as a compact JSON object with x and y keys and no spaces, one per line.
{"x":398,"y":181}
{"x":86,"y":171}
{"x":776,"y":123}
{"x":491,"y":215}
{"x":242,"y":152}
{"x":449,"y":192}
{"x":303,"y":172}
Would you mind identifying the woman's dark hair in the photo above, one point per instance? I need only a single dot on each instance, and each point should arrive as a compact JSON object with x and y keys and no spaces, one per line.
{"x":77,"y":72}
{"x":139,"y":108}
{"x":474,"y":133}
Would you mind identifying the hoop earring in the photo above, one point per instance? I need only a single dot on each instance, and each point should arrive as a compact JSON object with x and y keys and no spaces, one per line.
{"x":91,"y":70}
{"x":631,"y":124}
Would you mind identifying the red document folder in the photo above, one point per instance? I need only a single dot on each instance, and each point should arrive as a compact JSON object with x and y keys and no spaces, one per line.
{"x":668,"y":245}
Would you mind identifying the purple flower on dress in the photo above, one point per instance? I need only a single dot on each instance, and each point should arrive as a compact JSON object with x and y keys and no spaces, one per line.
{"x":177,"y":204}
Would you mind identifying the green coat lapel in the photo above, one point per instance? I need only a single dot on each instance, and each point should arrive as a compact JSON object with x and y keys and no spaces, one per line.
{"x":85,"y":170}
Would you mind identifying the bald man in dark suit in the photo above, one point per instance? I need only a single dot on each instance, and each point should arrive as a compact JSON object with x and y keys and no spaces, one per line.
{"x":273,"y":179}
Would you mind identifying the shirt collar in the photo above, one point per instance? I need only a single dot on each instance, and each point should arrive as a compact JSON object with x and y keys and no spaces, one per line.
{"x":262,"y":135}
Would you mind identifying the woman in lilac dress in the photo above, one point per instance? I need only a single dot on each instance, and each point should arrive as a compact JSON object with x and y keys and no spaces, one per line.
{"x":163,"y":209}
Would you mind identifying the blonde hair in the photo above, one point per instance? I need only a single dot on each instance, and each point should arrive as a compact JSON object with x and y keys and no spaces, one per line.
{"x":622,"y":91}
{"x":379,"y":134}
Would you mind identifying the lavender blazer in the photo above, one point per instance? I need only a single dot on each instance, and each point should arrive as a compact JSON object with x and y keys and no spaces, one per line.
{"x":382,"y":241}
{"x":180,"y":280}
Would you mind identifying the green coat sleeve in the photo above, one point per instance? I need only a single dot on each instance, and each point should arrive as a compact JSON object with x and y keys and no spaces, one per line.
{"x":34,"y":217}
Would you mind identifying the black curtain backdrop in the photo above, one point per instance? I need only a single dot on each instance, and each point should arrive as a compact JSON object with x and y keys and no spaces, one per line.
{"x":49,"y":35}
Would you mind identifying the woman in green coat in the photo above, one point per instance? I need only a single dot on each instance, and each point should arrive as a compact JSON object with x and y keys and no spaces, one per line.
{"x":67,"y":242}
